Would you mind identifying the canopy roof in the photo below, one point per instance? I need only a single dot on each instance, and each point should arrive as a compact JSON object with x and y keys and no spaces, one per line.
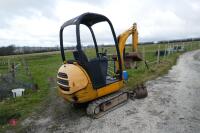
{"x":87,"y":19}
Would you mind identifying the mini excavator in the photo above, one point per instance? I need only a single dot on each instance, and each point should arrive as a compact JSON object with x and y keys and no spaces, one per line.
{"x":84,"y":80}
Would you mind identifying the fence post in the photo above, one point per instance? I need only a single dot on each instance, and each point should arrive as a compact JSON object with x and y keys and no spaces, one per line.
{"x":183,"y":46}
{"x":13,"y":70}
{"x":158,"y":56}
{"x":165,"y":51}
{"x":191,"y":43}
{"x":199,"y":45}
{"x":171,"y":50}
{"x":186,"y":46}
{"x":143,"y":51}
{"x":8,"y":65}
{"x":143,"y":55}
{"x":26,"y":67}
{"x":168,"y":49}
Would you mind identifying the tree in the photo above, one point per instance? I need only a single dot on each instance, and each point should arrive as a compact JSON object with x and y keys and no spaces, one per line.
{"x":9,"y":50}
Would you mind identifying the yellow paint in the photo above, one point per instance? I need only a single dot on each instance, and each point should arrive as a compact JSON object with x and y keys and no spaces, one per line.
{"x":84,"y":95}
{"x":81,"y":89}
{"x":134,"y":38}
{"x":110,"y":88}
{"x":67,"y":97}
{"x":77,"y":78}
{"x":123,"y":38}
{"x":89,"y":94}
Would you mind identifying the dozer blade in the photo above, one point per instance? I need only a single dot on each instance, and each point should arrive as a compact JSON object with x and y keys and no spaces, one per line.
{"x":102,"y":106}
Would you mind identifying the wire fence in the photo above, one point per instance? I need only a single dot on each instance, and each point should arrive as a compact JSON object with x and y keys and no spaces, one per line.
{"x":157,"y":53}
{"x":14,"y":73}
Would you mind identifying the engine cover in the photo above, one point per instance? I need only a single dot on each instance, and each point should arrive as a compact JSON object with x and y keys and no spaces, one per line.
{"x":71,"y":78}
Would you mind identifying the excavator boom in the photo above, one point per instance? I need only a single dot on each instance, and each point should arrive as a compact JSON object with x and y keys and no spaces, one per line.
{"x":122,"y":38}
{"x":127,"y":58}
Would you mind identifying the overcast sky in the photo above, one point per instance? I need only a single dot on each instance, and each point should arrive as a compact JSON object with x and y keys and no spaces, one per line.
{"x":37,"y":22}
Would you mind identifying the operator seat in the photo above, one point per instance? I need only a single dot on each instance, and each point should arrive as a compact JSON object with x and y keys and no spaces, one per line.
{"x":96,"y":68}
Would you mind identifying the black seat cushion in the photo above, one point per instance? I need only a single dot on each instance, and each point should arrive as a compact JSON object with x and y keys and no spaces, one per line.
{"x":96,"y":68}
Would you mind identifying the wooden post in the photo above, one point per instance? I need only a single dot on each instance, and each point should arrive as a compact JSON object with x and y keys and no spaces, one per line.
{"x":143,"y":51}
{"x":26,"y":67}
{"x":143,"y":54}
{"x":165,"y":51}
{"x":13,"y":71}
{"x":168,"y":49}
{"x":191,"y":44}
{"x":199,"y":45}
{"x":9,"y":65}
{"x":158,"y":56}
{"x":186,"y":46}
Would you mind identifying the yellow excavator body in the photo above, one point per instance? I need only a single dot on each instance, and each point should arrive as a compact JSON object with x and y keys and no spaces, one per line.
{"x":84,"y":80}
{"x":75,"y":85}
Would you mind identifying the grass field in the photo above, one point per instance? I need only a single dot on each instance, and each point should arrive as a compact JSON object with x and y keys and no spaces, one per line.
{"x":44,"y":66}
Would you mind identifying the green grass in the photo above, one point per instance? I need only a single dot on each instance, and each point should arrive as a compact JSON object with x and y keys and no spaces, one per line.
{"x":142,"y":74}
{"x":42,"y":67}
{"x":45,"y":65}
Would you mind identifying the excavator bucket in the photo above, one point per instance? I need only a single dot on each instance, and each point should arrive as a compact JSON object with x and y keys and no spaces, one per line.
{"x":139,"y":92}
{"x":131,"y":58}
{"x":134,"y":56}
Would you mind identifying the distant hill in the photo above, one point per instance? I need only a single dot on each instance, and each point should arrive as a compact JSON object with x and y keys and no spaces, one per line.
{"x":12,"y":50}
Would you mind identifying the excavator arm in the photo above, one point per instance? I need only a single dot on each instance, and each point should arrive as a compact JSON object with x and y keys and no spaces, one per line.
{"x":122,"y":38}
